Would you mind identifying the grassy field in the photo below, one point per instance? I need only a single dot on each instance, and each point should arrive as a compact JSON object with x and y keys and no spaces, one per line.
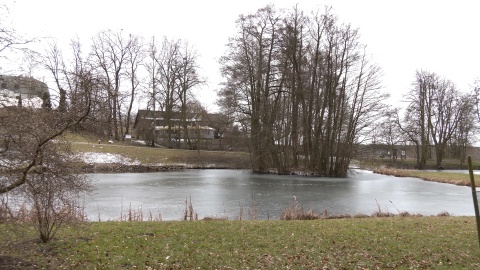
{"x":355,"y":243}
{"x":149,"y":155}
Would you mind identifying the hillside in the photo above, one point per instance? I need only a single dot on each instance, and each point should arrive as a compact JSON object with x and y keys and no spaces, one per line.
{"x":121,"y":156}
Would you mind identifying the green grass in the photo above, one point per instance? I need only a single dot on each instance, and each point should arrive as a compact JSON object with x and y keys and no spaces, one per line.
{"x":370,"y":243}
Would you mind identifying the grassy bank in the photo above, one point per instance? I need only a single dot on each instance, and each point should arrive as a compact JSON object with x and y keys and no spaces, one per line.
{"x":384,"y":243}
{"x":189,"y":158}
{"x":461,"y":179}
{"x":431,"y":164}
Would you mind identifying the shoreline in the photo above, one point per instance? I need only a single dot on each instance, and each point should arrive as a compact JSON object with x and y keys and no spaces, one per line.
{"x":459,"y":179}
{"x":141,"y":168}
{"x":126,"y":168}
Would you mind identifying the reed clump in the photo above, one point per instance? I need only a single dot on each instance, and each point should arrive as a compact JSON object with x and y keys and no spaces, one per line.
{"x":296,"y":211}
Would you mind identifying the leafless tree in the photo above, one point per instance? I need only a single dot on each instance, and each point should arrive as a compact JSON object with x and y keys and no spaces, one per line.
{"x":251,"y":72}
{"x":173,"y":73}
{"x":188,"y":79}
{"x":466,"y":131}
{"x":389,"y":134}
{"x":135,"y":58}
{"x":301,"y":86}
{"x":110,"y":49}
{"x":435,"y":110}
{"x":10,"y":39}
{"x":54,"y":63}
{"x":163,"y":73}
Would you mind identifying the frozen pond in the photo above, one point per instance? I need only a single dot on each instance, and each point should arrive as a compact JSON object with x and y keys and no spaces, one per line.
{"x":219,"y":193}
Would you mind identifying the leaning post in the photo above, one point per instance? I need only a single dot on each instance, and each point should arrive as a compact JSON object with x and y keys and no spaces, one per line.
{"x":474,"y":195}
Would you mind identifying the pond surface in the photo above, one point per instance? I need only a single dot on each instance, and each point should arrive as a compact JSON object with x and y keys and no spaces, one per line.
{"x":232,"y":193}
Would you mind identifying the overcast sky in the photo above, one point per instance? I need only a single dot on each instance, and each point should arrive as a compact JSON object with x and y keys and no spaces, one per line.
{"x":402,"y":36}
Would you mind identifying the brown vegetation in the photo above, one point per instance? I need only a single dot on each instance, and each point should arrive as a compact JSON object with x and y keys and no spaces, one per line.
{"x":459,"y":179}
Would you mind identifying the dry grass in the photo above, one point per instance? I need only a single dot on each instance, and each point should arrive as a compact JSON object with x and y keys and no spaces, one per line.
{"x":132,"y":215}
{"x":460,"y":179}
{"x":295,"y":211}
{"x":189,"y":214}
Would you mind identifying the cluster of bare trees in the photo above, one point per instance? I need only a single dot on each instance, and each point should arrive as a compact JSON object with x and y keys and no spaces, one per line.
{"x":126,"y":68}
{"x":96,"y":87}
{"x":438,"y":115}
{"x":303,"y":89}
{"x":173,"y":73}
{"x":96,"y":90}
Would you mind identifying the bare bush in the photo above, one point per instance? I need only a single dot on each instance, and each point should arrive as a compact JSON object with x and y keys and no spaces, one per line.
{"x":37,"y":164}
{"x":443,"y":214}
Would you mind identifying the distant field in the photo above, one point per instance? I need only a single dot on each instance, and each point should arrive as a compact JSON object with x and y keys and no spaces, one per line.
{"x":148,"y":155}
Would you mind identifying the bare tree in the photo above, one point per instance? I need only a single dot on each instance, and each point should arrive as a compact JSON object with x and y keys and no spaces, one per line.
{"x":251,"y":76}
{"x":188,"y":79}
{"x":435,"y":110}
{"x":163,"y":67}
{"x":173,"y":73}
{"x":388,"y":133}
{"x":54,"y":63}
{"x":466,"y":131}
{"x":135,"y":57}
{"x":110,"y":50}
{"x":153,"y":80}
{"x":10,"y":39}
{"x":301,"y":86}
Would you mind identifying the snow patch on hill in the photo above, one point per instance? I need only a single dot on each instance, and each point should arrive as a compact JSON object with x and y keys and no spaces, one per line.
{"x":92,"y":157}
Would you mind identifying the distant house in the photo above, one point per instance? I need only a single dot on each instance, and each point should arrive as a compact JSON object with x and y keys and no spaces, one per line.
{"x":23,"y":91}
{"x":169,"y":129}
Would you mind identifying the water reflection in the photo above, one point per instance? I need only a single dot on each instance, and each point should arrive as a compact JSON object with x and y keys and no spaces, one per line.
{"x":225,"y":192}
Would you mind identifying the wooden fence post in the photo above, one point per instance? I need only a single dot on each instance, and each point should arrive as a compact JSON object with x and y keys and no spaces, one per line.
{"x":474,"y":195}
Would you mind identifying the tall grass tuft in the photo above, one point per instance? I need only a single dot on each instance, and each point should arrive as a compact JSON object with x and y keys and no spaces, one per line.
{"x":294,"y":212}
{"x":253,"y":209}
{"x":131,"y":215}
{"x":189,"y":213}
